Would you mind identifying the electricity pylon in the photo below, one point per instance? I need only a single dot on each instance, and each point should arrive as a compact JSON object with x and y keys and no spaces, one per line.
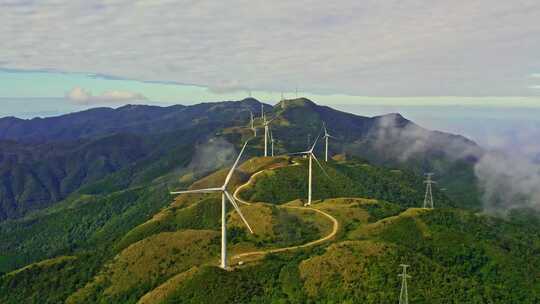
{"x":428,"y":198}
{"x":404,"y":294}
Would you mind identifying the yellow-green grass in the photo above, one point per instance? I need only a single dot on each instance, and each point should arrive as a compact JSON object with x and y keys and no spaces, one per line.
{"x":161,"y":255}
{"x":153,"y":259}
{"x":256,"y":164}
{"x":348,"y":211}
{"x":371,"y":229}
{"x":343,"y":262}
{"x":319,"y":223}
{"x":182,"y":203}
{"x":43,"y":264}
{"x":259,"y":216}
{"x":213,"y":180}
{"x":322,"y":224}
{"x":265,"y":219}
{"x":339,"y":158}
{"x":159,"y":294}
{"x":201,"y":214}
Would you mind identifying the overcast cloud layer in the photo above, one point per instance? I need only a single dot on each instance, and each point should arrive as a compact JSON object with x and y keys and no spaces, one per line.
{"x":374,"y":47}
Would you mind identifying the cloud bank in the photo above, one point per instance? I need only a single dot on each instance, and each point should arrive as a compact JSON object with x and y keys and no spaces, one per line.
{"x":79,"y":95}
{"x":508,"y":174}
{"x":366,"y":48}
{"x":508,"y":182}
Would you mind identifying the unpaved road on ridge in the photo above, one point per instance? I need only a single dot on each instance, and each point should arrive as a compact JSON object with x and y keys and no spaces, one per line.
{"x":333,"y":233}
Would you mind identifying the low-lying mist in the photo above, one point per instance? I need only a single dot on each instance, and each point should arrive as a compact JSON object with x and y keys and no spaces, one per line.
{"x":507,"y":170}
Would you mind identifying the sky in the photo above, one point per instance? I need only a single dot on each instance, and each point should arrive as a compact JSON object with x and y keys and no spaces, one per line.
{"x":451,"y":65}
{"x":362,"y":48}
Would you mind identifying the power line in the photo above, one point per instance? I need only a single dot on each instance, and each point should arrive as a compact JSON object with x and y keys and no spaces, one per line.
{"x":404,"y":294}
{"x":428,"y":198}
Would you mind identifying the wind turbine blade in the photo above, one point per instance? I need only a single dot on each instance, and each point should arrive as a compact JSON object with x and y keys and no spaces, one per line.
{"x":318,"y":163}
{"x":235,"y":164}
{"x":235,"y":205}
{"x":208,"y":190}
{"x":315,"y":143}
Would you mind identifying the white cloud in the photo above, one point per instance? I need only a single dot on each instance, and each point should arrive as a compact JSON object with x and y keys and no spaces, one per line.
{"x":508,"y":182}
{"x":81,"y":96}
{"x":368,"y":48}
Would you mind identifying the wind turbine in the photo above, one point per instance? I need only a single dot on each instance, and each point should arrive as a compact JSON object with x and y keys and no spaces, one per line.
{"x":266,"y":124}
{"x":224,"y":195}
{"x":253,"y":124}
{"x":326,"y":137}
{"x":272,"y":143}
{"x":311,"y":156}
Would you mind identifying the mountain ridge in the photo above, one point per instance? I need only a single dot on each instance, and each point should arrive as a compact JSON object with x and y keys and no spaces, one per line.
{"x":51,"y":141}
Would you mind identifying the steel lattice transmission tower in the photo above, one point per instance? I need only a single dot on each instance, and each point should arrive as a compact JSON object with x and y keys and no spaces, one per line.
{"x":428,"y":198}
{"x":404,"y":294}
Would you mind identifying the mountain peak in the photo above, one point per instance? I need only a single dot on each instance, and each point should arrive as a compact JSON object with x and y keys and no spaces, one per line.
{"x":296,"y":102}
{"x":395,"y":119}
{"x":250,"y":100}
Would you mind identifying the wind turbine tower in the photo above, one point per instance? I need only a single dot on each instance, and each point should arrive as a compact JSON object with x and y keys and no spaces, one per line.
{"x":252,"y":124}
{"x":224,"y":196}
{"x":311,"y":156}
{"x":326,"y":137}
{"x":404,"y":294}
{"x":266,"y":124}
{"x":272,"y":143}
{"x":428,"y":198}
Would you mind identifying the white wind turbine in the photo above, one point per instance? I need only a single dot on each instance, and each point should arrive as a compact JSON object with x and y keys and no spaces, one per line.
{"x":253,"y":124}
{"x":224,"y":195}
{"x":311,"y":156}
{"x":272,"y":143}
{"x":266,"y":124}
{"x":326,"y":137}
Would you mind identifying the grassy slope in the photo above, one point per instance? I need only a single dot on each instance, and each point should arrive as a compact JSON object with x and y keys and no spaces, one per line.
{"x":274,"y":226}
{"x":346,"y":179}
{"x":455,"y":257}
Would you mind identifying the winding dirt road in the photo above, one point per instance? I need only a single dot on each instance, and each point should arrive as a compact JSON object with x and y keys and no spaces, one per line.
{"x":333,"y":233}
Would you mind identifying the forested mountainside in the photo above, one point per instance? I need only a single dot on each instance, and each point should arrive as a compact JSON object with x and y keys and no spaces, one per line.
{"x":44,"y":160}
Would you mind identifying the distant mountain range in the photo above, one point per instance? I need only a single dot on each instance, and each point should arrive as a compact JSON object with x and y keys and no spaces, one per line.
{"x":44,"y":160}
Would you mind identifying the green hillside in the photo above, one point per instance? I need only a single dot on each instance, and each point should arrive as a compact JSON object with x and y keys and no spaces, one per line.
{"x":45,"y":161}
{"x":342,"y":179}
{"x":456,"y":256}
{"x":116,"y":235}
